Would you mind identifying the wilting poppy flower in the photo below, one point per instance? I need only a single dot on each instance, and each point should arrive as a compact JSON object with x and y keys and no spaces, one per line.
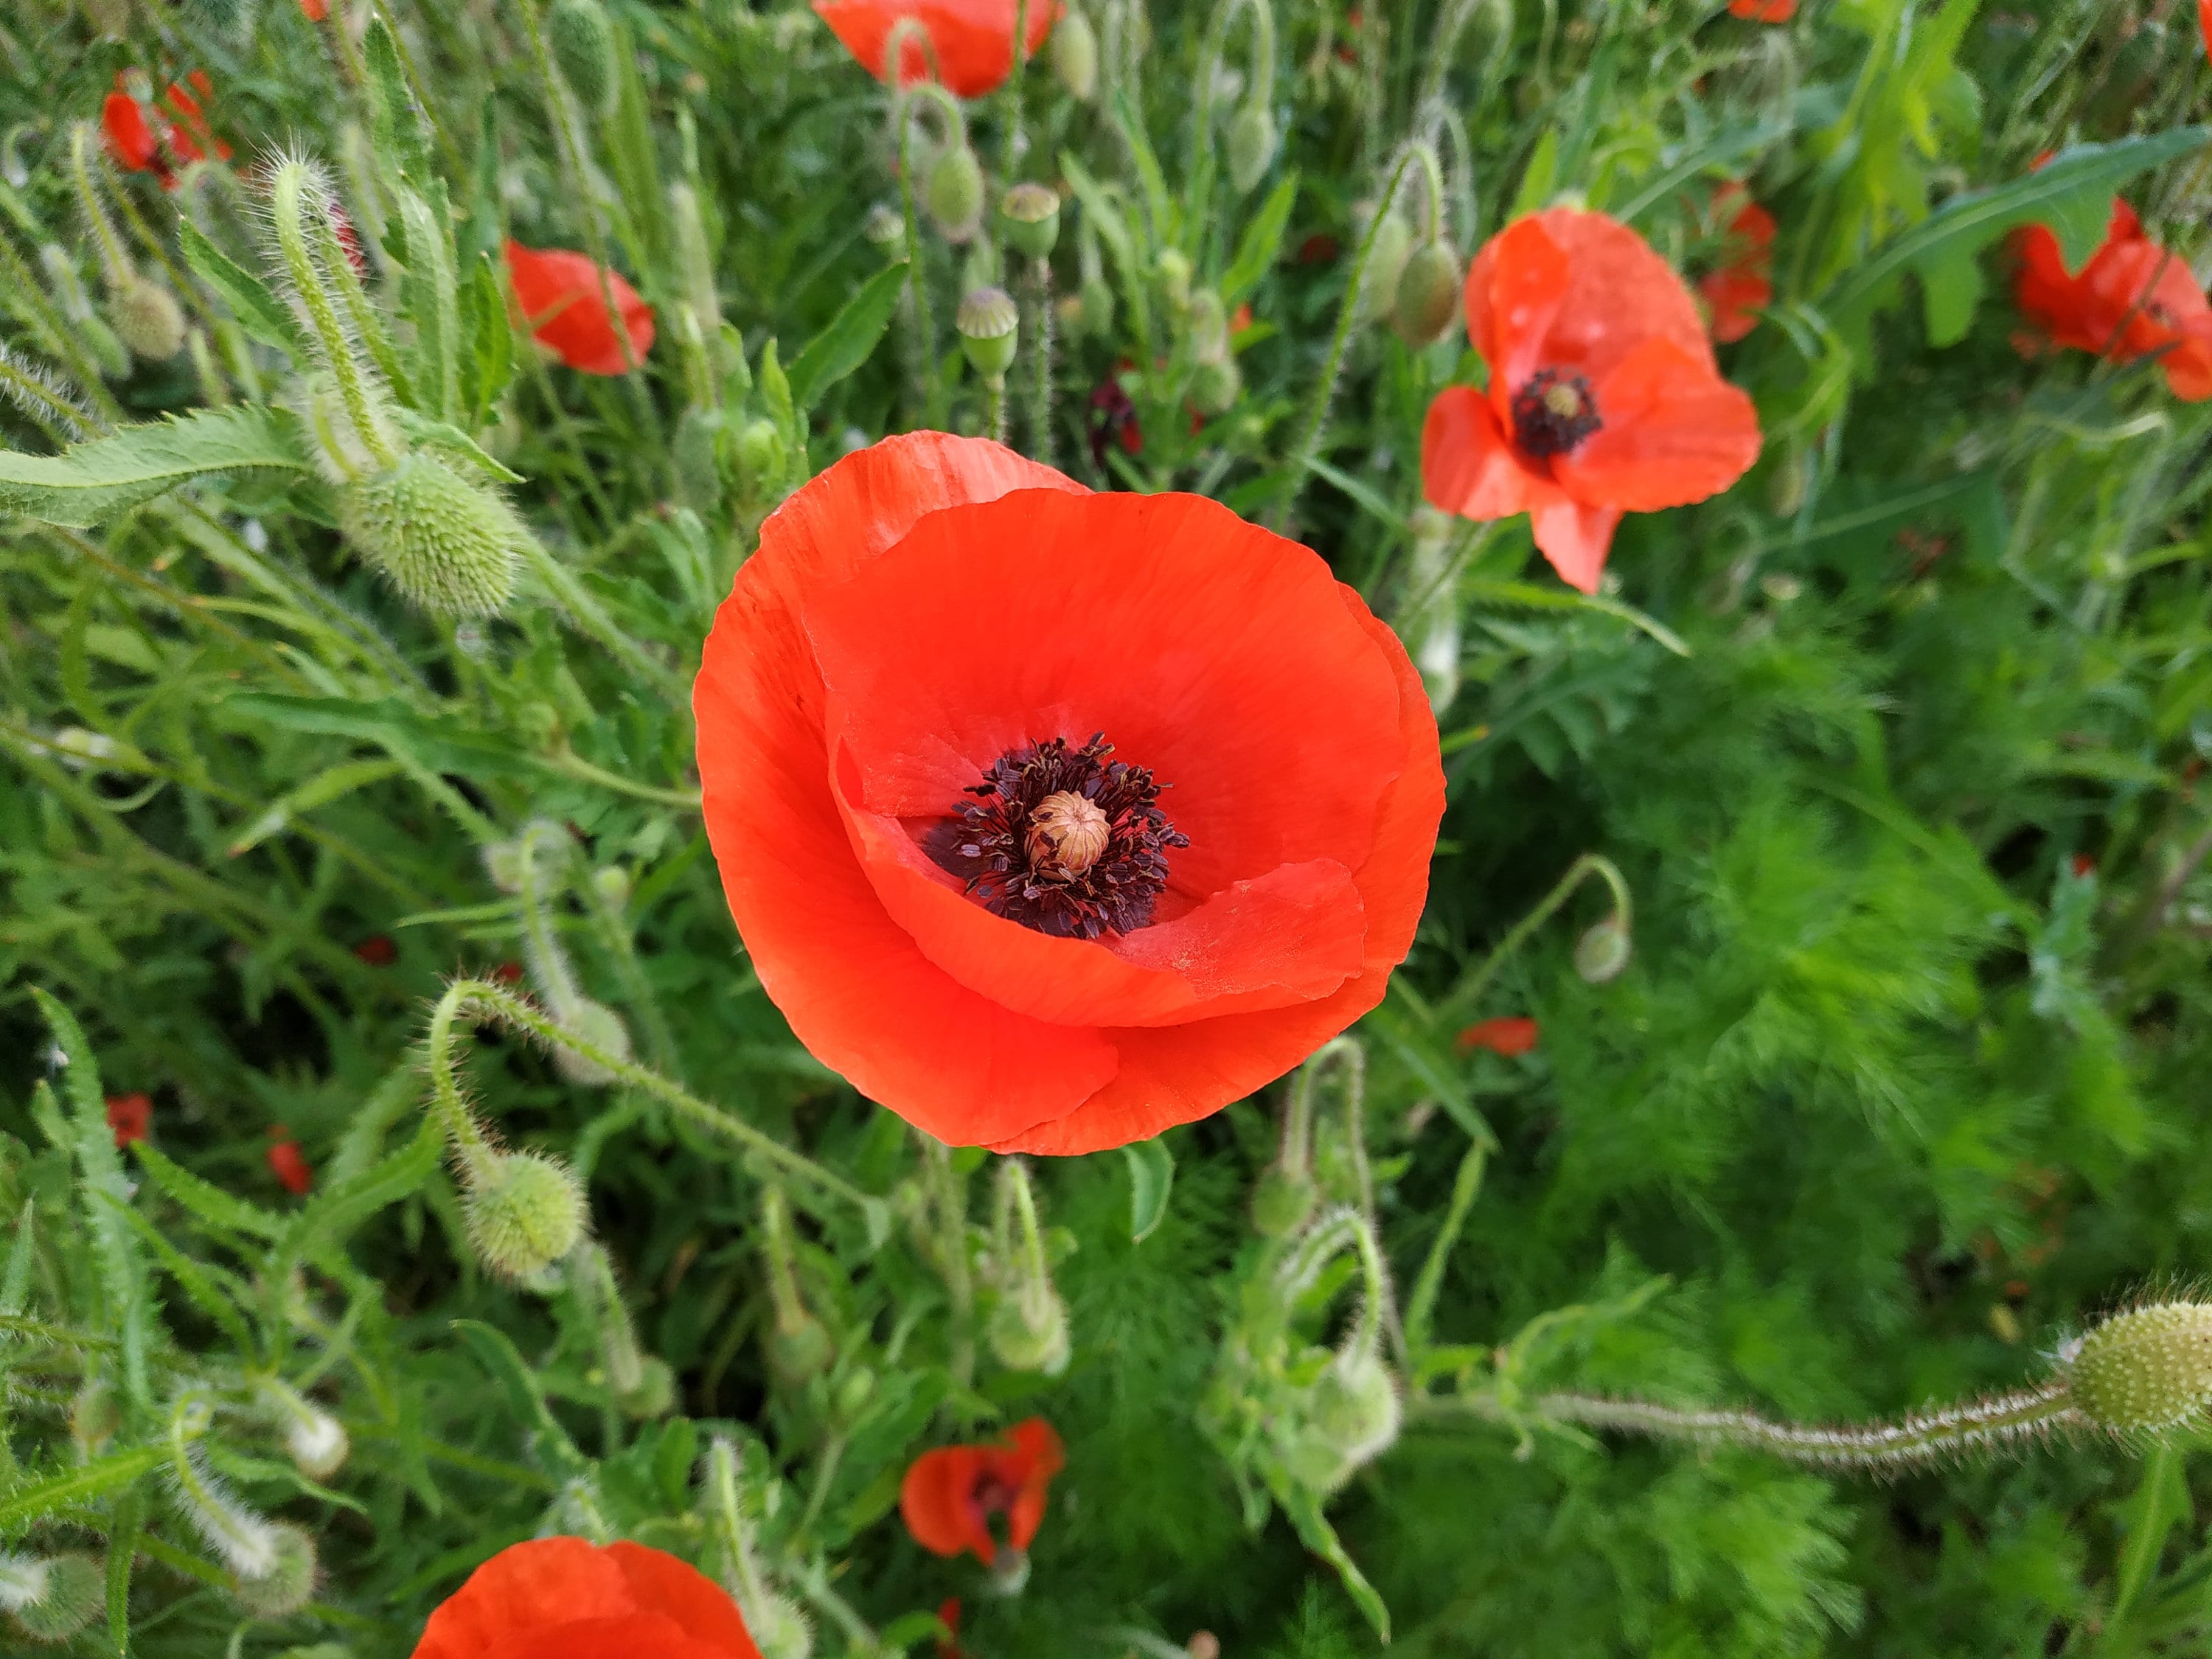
{"x":563,"y":1598}
{"x":1743,"y":284}
{"x":1509,"y":1035}
{"x":1762,"y":11}
{"x":2133,"y":299}
{"x":129,"y":1116}
{"x":287,"y":1162}
{"x":949,"y":1495}
{"x":973,"y":40}
{"x":563,"y":305}
{"x":1052,"y":818}
{"x":1604,"y":397}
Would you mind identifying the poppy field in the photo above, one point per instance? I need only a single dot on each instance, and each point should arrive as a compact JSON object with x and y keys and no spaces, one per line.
{"x":996,"y":828}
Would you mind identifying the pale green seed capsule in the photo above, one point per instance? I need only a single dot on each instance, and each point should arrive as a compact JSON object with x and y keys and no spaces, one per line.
{"x":448,"y":544}
{"x":989,"y":324}
{"x":2147,"y":1369}
{"x":1028,"y":217}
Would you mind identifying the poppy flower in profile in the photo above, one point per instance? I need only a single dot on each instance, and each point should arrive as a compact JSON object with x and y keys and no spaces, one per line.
{"x":1762,"y":11}
{"x":1743,"y":284}
{"x":950,"y":1496}
{"x":287,"y":1162}
{"x":564,"y":1598}
{"x":184,"y":135}
{"x":1604,"y":397}
{"x":1050,"y":818}
{"x":2133,"y":299}
{"x":129,"y":1116}
{"x":130,"y":140}
{"x":973,"y":40}
{"x":1509,"y":1035}
{"x":563,"y":306}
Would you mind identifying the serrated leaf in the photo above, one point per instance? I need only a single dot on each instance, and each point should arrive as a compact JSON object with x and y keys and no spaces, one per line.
{"x":488,"y":358}
{"x":196,"y":1283}
{"x":259,"y":313}
{"x":426,"y":432}
{"x":431,"y":300}
{"x":1262,"y":242}
{"x":1314,"y":1530}
{"x":204,"y":1201}
{"x":15,"y":1284}
{"x":28,"y":1500}
{"x":395,"y":124}
{"x":334,"y":1213}
{"x":1151,"y":1178}
{"x":445,"y":746}
{"x":549,"y":1441}
{"x":90,"y":482}
{"x":844,"y":345}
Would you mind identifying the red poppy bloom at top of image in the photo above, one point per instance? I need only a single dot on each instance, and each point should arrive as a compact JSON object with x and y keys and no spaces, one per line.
{"x":1052,"y":818}
{"x":1743,"y":285}
{"x":1762,"y":11}
{"x":973,"y":40}
{"x":185,"y":134}
{"x":1604,"y":397}
{"x":2133,"y":299}
{"x":563,"y":1598}
{"x":950,"y":1496}
{"x":565,"y":308}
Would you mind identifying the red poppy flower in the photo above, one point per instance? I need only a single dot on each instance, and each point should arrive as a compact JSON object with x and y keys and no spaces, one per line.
{"x":287,"y":1162}
{"x":985,"y":917}
{"x":185,"y":134}
{"x":377,"y":950}
{"x":559,"y":295}
{"x":190,"y":135}
{"x":1509,"y":1035}
{"x":1743,"y":286}
{"x":129,"y":1116}
{"x":130,"y":141}
{"x":2204,"y":23}
{"x":1604,"y":397}
{"x":973,"y":40}
{"x":563,"y":1598}
{"x":948,"y":1640}
{"x":2132,"y":300}
{"x":314,"y":10}
{"x":949,"y":1495}
{"x":1762,"y":11}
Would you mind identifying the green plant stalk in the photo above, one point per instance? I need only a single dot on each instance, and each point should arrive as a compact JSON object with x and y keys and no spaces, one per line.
{"x":1420,"y":1310}
{"x":1038,"y":335}
{"x":1036,"y":1272}
{"x":950,"y":1196}
{"x":115,"y":267}
{"x":1010,"y":154}
{"x":1345,"y":1051}
{"x":292,"y":200}
{"x":925,"y":315}
{"x":548,"y":961}
{"x":28,"y":300}
{"x":994,"y":406}
{"x":590,"y":618}
{"x":614,"y":934}
{"x":1212,"y":46}
{"x":1464,"y":999}
{"x":783,"y":1292}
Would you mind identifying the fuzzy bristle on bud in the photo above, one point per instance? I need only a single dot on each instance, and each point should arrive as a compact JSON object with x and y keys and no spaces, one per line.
{"x":953,"y":194}
{"x":2142,"y":1371}
{"x":448,"y":543}
{"x":525,"y":1212}
{"x":50,"y":1601}
{"x":1428,"y":292}
{"x":779,"y":1627}
{"x":582,"y":37}
{"x":147,"y":319}
{"x":289,"y":1584}
{"x":1075,"y":55}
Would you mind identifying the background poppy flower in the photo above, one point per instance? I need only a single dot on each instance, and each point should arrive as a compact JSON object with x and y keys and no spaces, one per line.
{"x":1762,"y":11}
{"x":949,"y":1495}
{"x":288,"y":1163}
{"x":974,"y":40}
{"x":1604,"y":397}
{"x":1508,"y":1035}
{"x":563,"y":1598}
{"x":2132,"y":299}
{"x":129,"y":1116}
{"x":1743,"y":285}
{"x":559,"y":295}
{"x":130,"y":141}
{"x":1107,"y":943}
{"x":189,"y":134}
{"x":314,"y":10}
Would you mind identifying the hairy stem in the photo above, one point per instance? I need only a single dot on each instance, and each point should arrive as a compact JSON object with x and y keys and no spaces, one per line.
{"x":1469,"y":995}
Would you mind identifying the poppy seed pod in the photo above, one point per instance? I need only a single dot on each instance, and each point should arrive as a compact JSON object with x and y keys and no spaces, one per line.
{"x":1602,"y":952}
{"x":71,"y":1591}
{"x":1251,"y":145}
{"x":582,"y":37}
{"x":448,"y":543}
{"x":1075,"y":55}
{"x":147,"y":319}
{"x":989,"y":325}
{"x":525,"y":1212}
{"x":600,"y":1026}
{"x":2147,"y":1369}
{"x":1428,"y":289}
{"x":799,"y":1348}
{"x":953,"y":193}
{"x":1029,"y":215}
{"x":289,"y":1584}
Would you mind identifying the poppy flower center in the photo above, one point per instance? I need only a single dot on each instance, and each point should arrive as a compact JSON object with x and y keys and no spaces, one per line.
{"x":1553,"y":412}
{"x":1062,"y":840}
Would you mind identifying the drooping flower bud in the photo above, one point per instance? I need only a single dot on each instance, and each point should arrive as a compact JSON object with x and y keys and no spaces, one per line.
{"x":652,"y":1393}
{"x":1209,"y":327}
{"x":2147,"y":1369}
{"x":525,"y":1212}
{"x":289,"y":1584}
{"x":1174,"y":270}
{"x":316,"y":1440}
{"x":1386,"y":264}
{"x":1075,"y":54}
{"x":1603,"y":951}
{"x":1348,"y":1417}
{"x":50,"y":1601}
{"x":582,"y":38}
{"x":1029,"y":1332}
{"x":989,"y":323}
{"x":1251,"y":145}
{"x":1428,"y":291}
{"x":953,"y":193}
{"x":799,"y":1348}
{"x":147,"y":319}
{"x":697,"y":454}
{"x":600,"y":1026}
{"x":1282,"y":1200}
{"x":1029,"y":215}
{"x":447,"y":542}
{"x":1214,"y":387}
{"x":95,"y":1416}
{"x":884,"y":225}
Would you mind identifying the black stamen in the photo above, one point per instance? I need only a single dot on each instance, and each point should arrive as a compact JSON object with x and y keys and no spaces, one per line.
{"x":1553,"y":412}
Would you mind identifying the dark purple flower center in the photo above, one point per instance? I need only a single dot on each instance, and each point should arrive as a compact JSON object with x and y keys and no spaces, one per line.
{"x":1553,"y":412}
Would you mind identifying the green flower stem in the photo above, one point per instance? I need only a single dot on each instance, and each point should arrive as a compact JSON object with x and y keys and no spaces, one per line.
{"x":115,"y":266}
{"x":1420,"y":1311}
{"x":1211,"y":49}
{"x":367,"y":322}
{"x":483,"y":999}
{"x":567,"y":760}
{"x":948,"y":1193}
{"x":994,"y":406}
{"x":1038,"y":338}
{"x":1346,"y":1053}
{"x":734,"y":1530}
{"x":548,"y":961}
{"x":614,"y":934}
{"x":1010,"y":155}
{"x":1468,"y":996}
{"x":591,"y":1276}
{"x":1036,"y":1270}
{"x":295,"y":197}
{"x":924,"y":314}
{"x":591,"y":616}
{"x":791,"y":1311}
{"x":26,"y":298}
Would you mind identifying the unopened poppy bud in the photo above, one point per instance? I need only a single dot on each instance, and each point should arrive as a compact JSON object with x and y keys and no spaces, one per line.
{"x":95,"y":1416}
{"x":1029,"y":1331}
{"x":1281,"y":1201}
{"x":318,"y":1443}
{"x":954,"y":193}
{"x":1028,"y":214}
{"x":147,"y":319}
{"x":799,"y":1349}
{"x":1209,"y":327}
{"x":760,"y":457}
{"x":779,"y":1627}
{"x":1386,"y":264}
{"x":1251,"y":145}
{"x":1428,"y":289}
{"x":988,"y":324}
{"x":525,"y":1212}
{"x":1214,"y":387}
{"x":1097,"y":297}
{"x":1075,"y":55}
{"x":448,"y":543}
{"x":652,"y":1393}
{"x":2147,"y":1369}
{"x":50,"y":1601}
{"x":611,"y":883}
{"x":1602,"y":952}
{"x":1349,"y":1418}
{"x":289,"y":1582}
{"x":884,"y":225}
{"x":582,"y":38}
{"x":1173,"y":269}
{"x":697,"y":454}
{"x":601,"y":1027}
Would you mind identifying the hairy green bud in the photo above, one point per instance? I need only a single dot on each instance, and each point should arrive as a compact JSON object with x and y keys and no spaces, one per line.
{"x":1209,"y":327}
{"x":1428,"y":290}
{"x":1214,"y":387}
{"x":600,"y":1026}
{"x":953,"y":194}
{"x":1386,"y":262}
{"x":1174,"y":270}
{"x":318,"y":1443}
{"x":525,"y":1212}
{"x":798,"y":1349}
{"x":2147,"y":1369}
{"x":1251,"y":145}
{"x":1282,"y":1200}
{"x":779,"y":1629}
{"x":761,"y":458}
{"x":94,"y":1415}
{"x":1348,"y":1418}
{"x":1028,"y":217}
{"x":1096,"y":294}
{"x":582,"y":37}
{"x":147,"y":319}
{"x":289,"y":1584}
{"x":1075,"y":55}
{"x":71,"y":1591}
{"x":653,"y":1392}
{"x":447,"y":542}
{"x":1029,"y":1331}
{"x":989,"y":324}
{"x":1602,"y":952}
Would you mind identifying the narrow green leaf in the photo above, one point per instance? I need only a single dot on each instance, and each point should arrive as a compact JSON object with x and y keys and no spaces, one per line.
{"x":431,"y":300}
{"x":259,"y":313}
{"x":15,"y":1285}
{"x":1151,"y":1177}
{"x":93,"y":480}
{"x":844,"y":345}
{"x":1314,"y":1530}
{"x":325,"y":787}
{"x":333,"y":1214}
{"x":194,"y":1279}
{"x":31,"y":1499}
{"x":123,"y":1535}
{"x":427,"y":434}
{"x":490,"y":336}
{"x":395,"y":124}
{"x":548,"y":1441}
{"x":1263,"y":242}
{"x":1160,"y":202}
{"x":1541,"y":173}
{"x":205,"y":1201}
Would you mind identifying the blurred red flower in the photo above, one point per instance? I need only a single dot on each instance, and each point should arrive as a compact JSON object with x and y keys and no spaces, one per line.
{"x":2205,"y":24}
{"x":1743,"y":285}
{"x":185,"y":134}
{"x":1509,"y":1035}
{"x":1114,"y":421}
{"x":1604,"y":397}
{"x":973,"y":40}
{"x":314,"y":10}
{"x":130,"y":141}
{"x":948,"y":1641}
{"x":287,"y":1162}
{"x":988,"y":919}
{"x":129,"y":1116}
{"x":564,"y":1598}
{"x":1762,"y":11}
{"x":559,"y":295}
{"x":377,"y":950}
{"x":949,"y":1495}
{"x":2133,"y":299}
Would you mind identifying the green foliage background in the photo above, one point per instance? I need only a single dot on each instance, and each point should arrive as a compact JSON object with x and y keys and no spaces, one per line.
{"x":1897,"y":745}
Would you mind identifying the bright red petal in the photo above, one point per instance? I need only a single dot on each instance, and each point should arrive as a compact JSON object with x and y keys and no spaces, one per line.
{"x":1468,"y":467}
{"x":936,"y":1501}
{"x":973,"y":40}
{"x":1040,"y":1456}
{"x":130,"y":140}
{"x":628,"y":1636}
{"x":2204,"y":23}
{"x":1762,"y":11}
{"x":525,"y":1588}
{"x":561,"y":301}
{"x":1576,"y":537}
{"x":1675,"y":433}
{"x":1529,"y":277}
{"x":679,"y":1591}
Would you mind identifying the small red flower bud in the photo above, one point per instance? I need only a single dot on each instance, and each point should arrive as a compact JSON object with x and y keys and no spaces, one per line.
{"x":129,"y":1116}
{"x":1510,"y":1036}
{"x":377,"y":950}
{"x":288,"y":1163}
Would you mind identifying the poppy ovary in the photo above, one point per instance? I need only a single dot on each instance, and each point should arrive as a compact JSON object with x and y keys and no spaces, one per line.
{"x":1553,"y":412}
{"x":1068,"y":835}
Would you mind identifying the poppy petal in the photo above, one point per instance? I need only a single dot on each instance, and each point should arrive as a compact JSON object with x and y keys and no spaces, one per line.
{"x":1530,"y":275}
{"x":565,"y":308}
{"x":973,"y":40}
{"x":936,"y":1501}
{"x":628,"y":1636}
{"x":528,"y":1587}
{"x":1675,"y":433}
{"x":1468,"y":467}
{"x":129,"y":139}
{"x":1619,"y":293}
{"x":660,"y":1584}
{"x":1575,"y":536}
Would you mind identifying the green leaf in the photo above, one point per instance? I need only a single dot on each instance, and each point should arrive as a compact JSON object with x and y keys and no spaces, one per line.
{"x":1314,"y":1530}
{"x":431,"y":300}
{"x":325,"y":787}
{"x":259,"y":313}
{"x":1263,"y":241}
{"x":443,"y":746}
{"x":90,"y":482}
{"x":192,"y":1277}
{"x":15,"y":1284}
{"x":1151,"y":1177}
{"x":205,"y":1201}
{"x":549,"y":1441}
{"x":325,"y":1222}
{"x":1537,"y":181}
{"x":489,"y":342}
{"x":843,"y":346}
{"x":28,"y":1501}
{"x":124,"y":1530}
{"x":426,"y":432}
{"x":395,"y":124}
